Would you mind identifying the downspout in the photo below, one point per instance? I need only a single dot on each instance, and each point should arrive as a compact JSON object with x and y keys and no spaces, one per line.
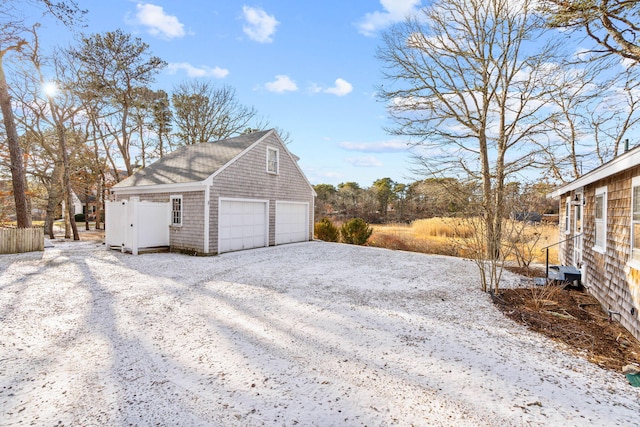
{"x":207,"y":189}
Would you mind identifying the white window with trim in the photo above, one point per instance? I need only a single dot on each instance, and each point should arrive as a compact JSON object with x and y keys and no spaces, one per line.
{"x":273,"y":160}
{"x":635,"y":219}
{"x":600,"y":213}
{"x":176,"y":211}
{"x":567,"y":216}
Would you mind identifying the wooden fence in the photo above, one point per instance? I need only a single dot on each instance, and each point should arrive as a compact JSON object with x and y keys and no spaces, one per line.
{"x":17,"y":240}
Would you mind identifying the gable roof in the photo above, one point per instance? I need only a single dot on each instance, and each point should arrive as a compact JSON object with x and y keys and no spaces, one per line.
{"x":192,"y":163}
{"x":620,"y":163}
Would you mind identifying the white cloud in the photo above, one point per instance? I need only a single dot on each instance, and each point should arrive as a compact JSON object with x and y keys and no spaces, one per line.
{"x":281,"y":84}
{"x":260,"y":26}
{"x":341,"y":88}
{"x":392,"y":146}
{"x":158,"y":23}
{"x":315,"y":88}
{"x":394,"y":11}
{"x":202,"y":71}
{"x":364,"y":162}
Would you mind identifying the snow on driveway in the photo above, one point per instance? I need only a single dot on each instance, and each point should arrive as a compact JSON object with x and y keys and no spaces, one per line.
{"x":304,"y":334}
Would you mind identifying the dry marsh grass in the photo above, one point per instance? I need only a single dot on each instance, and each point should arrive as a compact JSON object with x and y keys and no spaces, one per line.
{"x":451,"y":236}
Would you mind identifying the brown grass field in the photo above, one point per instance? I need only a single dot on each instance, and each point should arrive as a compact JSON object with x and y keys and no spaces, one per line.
{"x":451,"y":236}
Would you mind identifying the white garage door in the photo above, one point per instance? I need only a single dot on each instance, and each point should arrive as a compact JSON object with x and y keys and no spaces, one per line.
{"x":291,"y":222}
{"x":242,"y":225}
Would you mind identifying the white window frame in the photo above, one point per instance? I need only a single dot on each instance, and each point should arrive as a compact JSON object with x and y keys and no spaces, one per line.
{"x":567,"y":216}
{"x":173,"y":212}
{"x":270,"y":169}
{"x":600,"y":246}
{"x":634,"y":253}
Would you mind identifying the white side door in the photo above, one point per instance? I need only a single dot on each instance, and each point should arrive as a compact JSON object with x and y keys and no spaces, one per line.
{"x":577,"y":230}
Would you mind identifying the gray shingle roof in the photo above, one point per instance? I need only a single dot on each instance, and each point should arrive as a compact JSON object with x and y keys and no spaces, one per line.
{"x":192,"y":163}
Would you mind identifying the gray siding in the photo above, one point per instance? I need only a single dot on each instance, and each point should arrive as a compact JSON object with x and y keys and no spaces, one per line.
{"x":608,"y":276}
{"x":190,"y":236}
{"x":247,"y":178}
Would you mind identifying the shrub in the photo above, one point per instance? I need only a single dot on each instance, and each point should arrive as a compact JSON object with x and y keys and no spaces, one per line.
{"x":325,"y":230}
{"x":79,"y":217}
{"x":356,"y":231}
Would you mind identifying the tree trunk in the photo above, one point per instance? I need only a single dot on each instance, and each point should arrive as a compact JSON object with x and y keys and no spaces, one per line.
{"x":66,"y":179}
{"x":18,"y":176}
{"x":55,"y":195}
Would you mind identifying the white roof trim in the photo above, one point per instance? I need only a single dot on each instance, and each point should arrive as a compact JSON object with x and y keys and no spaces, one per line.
{"x":621,"y":163}
{"x":160,"y":188}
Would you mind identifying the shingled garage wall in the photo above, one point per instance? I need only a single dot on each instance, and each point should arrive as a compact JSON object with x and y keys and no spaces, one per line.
{"x":189,"y":237}
{"x":247,"y":178}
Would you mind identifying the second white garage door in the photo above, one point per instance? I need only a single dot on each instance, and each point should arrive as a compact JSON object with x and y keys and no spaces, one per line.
{"x":243,"y":225}
{"x":292,"y":222}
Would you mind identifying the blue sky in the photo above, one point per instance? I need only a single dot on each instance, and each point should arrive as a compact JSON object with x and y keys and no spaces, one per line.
{"x":308,"y":67}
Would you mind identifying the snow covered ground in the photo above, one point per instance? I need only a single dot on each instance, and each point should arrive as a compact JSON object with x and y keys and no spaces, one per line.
{"x":304,"y":334}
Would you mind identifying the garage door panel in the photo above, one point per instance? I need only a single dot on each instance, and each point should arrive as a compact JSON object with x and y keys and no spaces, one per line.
{"x":291,"y":222}
{"x":243,"y":225}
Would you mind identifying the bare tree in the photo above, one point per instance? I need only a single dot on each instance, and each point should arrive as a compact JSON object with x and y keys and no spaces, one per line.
{"x":12,"y":29}
{"x":594,"y":116}
{"x":612,"y":24}
{"x":61,"y":107}
{"x":575,"y":92}
{"x":616,"y":115}
{"x":467,"y":80}
{"x":12,"y":41}
{"x":205,"y":113}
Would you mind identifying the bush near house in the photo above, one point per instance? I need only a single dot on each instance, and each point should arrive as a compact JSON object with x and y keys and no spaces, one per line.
{"x":355,"y":231}
{"x":325,"y":230}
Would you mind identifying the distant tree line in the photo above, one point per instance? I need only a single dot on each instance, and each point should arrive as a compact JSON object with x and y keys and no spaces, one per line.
{"x":387,"y":201}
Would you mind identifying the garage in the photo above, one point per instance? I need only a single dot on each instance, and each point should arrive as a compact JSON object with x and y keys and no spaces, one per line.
{"x":292,"y":222}
{"x":243,"y":225}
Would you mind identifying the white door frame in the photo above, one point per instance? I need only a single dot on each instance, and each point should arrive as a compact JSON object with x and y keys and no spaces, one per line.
{"x":578,"y":227}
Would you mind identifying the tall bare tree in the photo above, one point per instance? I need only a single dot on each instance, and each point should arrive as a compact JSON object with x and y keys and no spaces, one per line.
{"x":205,"y":113}
{"x":12,"y":29}
{"x":467,"y":81}
{"x":59,"y":109}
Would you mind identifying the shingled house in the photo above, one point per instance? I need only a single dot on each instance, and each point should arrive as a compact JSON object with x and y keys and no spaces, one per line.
{"x":238,"y":193}
{"x":600,"y":230}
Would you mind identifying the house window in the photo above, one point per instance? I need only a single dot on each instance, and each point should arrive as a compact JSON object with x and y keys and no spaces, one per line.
{"x":567,"y":218}
{"x":176,"y":211}
{"x":272,"y":160}
{"x":635,"y":219}
{"x":601,"y":219}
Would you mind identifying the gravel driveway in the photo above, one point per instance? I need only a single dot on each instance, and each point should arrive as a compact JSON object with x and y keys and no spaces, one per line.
{"x":303,"y":334}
